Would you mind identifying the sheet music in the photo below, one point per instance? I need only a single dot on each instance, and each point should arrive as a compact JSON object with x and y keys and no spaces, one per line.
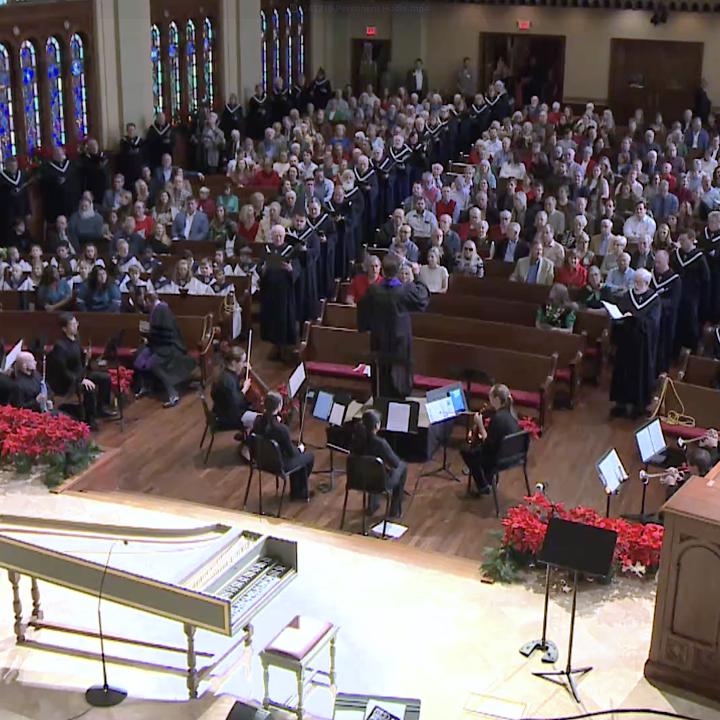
{"x":337,"y":414}
{"x":650,"y":441}
{"x":12,"y":356}
{"x":296,"y":380}
{"x":354,"y":410}
{"x":440,"y":409}
{"x":398,"y":417}
{"x":323,"y":405}
{"x":612,"y":310}
{"x":611,"y":471}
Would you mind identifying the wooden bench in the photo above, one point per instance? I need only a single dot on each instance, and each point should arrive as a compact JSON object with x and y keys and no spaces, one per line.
{"x":502,"y":288}
{"x":494,"y":269}
{"x":697,"y":370}
{"x":569,"y":347}
{"x":700,"y":403}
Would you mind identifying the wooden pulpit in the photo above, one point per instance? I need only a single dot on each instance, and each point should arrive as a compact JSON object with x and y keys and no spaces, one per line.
{"x":685,"y":647}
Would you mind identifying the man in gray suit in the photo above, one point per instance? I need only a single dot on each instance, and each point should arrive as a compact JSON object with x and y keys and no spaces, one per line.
{"x":192,"y":224}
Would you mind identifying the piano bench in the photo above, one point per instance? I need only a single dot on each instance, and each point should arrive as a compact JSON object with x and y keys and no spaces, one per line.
{"x":293,"y":649}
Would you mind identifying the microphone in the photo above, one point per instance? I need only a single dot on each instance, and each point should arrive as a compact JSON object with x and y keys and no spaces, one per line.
{"x":104,"y":695}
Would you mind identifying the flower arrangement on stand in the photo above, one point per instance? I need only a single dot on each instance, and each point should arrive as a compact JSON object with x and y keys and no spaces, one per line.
{"x":58,"y":442}
{"x":637,"y":551}
{"x":121,"y":378}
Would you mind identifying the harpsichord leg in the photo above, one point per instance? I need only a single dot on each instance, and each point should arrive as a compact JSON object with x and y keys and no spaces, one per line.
{"x":37,"y":613}
{"x":192,"y":679}
{"x":17,"y":606}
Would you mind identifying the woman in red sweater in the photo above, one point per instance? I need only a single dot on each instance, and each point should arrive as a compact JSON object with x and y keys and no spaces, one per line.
{"x":572,"y":274}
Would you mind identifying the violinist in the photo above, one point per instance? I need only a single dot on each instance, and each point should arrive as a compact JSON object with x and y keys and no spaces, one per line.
{"x":231,"y":405}
{"x":481,"y":456}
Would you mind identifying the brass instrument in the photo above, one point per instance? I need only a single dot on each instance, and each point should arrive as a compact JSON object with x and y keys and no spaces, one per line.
{"x":682,"y":442}
{"x":643,"y":475}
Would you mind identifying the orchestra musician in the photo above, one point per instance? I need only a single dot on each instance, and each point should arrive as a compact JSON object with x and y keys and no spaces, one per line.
{"x":484,"y":444}
{"x":365,"y":441}
{"x":297,"y":463}
{"x":29,"y":390}
{"x":699,"y":461}
{"x":231,"y":405}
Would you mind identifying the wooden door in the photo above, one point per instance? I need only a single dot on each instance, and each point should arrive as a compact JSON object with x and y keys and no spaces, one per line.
{"x":655,"y":75}
{"x":369,"y":63}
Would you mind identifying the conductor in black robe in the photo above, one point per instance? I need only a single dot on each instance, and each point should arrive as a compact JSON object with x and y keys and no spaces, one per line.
{"x":14,"y":200}
{"x":690,"y":264}
{"x":159,"y":140}
{"x":323,"y":226}
{"x":278,"y":309}
{"x":165,"y":359}
{"x":61,"y":186}
{"x":131,"y":156}
{"x":668,"y":285}
{"x":384,"y":311}
{"x":258,"y":114}
{"x":635,"y":337}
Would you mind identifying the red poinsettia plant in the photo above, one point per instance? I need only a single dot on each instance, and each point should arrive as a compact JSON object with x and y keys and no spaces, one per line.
{"x":637,"y":550}
{"x":123,"y":377}
{"x":58,"y":441}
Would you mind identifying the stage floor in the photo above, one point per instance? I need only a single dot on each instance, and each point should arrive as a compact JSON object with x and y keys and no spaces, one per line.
{"x":413,"y":624}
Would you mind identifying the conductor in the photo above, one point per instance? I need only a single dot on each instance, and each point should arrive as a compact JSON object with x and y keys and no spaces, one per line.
{"x":385,"y":311}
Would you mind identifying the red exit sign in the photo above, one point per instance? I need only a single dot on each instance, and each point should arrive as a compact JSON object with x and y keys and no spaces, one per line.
{"x":524,"y":25}
{"x":370,"y":31}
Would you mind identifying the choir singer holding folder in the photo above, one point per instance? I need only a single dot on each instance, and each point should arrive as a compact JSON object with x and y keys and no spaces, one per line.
{"x":636,"y":326}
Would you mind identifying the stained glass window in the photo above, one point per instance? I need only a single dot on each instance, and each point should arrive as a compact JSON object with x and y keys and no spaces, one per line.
{"x":79,"y":85}
{"x":31,"y":101}
{"x":7,"y":119}
{"x":192,"y":68}
{"x":55,"y":90}
{"x":209,"y":61}
{"x":276,"y":43}
{"x":263,"y":49}
{"x":157,"y":69}
{"x":288,"y":48}
{"x":301,"y":40}
{"x":174,"y":62}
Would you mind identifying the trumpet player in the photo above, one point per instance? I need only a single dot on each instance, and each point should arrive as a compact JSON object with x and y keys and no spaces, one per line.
{"x":698,"y":461}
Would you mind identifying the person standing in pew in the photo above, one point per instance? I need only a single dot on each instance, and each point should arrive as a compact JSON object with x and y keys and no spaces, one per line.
{"x":68,"y":371}
{"x":636,"y":338}
{"x":384,"y":311}
{"x":484,"y":443}
{"x":365,"y":441}
{"x":297,"y":463}
{"x":668,"y":285}
{"x":323,"y":226}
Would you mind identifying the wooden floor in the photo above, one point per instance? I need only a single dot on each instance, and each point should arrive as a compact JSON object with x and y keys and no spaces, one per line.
{"x":158,"y":454}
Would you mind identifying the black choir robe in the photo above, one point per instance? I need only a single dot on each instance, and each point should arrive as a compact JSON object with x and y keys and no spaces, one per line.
{"x":325,"y":229}
{"x":320,"y":92}
{"x":710,"y":245}
{"x":307,"y":295}
{"x":170,"y":361}
{"x":367,"y":183}
{"x":383,"y":172}
{"x":400,"y":158}
{"x":278,"y":311}
{"x":695,"y":275}
{"x":419,"y":161}
{"x":62,"y":188}
{"x":258,"y":116}
{"x":159,"y":140}
{"x":300,"y":97}
{"x":94,"y":172}
{"x":499,"y":107}
{"x":231,"y":119}
{"x":341,"y":216}
{"x":14,"y":200}
{"x":384,"y":311}
{"x":478,"y":122}
{"x":279,"y":105}
{"x":668,"y":286}
{"x":130,"y":159}
{"x":635,"y":339}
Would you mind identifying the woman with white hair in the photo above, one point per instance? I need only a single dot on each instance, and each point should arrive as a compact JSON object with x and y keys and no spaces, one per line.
{"x":469,"y":262}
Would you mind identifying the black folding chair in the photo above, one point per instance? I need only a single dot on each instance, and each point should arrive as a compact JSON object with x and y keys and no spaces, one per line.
{"x":368,"y":475}
{"x":265,"y":456}
{"x":211,"y":426}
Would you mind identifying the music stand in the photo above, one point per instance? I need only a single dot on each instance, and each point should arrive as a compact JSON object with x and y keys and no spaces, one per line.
{"x":612,"y":475}
{"x":577,"y":548}
{"x":330,"y":408}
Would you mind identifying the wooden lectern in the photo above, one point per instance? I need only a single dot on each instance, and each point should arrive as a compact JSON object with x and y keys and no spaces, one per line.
{"x":685,"y":647}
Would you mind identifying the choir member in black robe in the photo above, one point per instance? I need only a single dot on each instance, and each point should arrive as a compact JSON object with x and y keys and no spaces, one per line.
{"x":341,"y":215}
{"x":68,"y":372}
{"x":297,"y":463}
{"x":384,"y":311}
{"x":418,"y":161}
{"x":635,"y":337}
{"x":307,"y":249}
{"x":383,"y":167}
{"x":399,"y":154}
{"x":14,"y":201}
{"x":710,"y":245}
{"x":280,"y":101}
{"x":93,"y":166}
{"x":231,"y":406}
{"x":690,"y":264}
{"x":478,"y":119}
{"x":323,"y":226}
{"x":165,"y":359}
{"x":500,"y":104}
{"x":258,"y":114}
{"x":320,"y":90}
{"x":29,"y":391}
{"x":300,"y":95}
{"x":159,"y":140}
{"x":61,"y":186}
{"x":356,"y":202}
{"x":231,"y":118}
{"x":366,"y":181}
{"x":668,"y":285}
{"x":278,"y":277}
{"x":131,"y":156}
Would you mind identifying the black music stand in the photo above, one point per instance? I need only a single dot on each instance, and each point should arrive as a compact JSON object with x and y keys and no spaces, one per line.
{"x":577,"y":548}
{"x":549,"y":648}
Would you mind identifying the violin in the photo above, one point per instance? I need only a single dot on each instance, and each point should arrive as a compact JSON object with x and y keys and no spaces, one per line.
{"x":473,"y":432}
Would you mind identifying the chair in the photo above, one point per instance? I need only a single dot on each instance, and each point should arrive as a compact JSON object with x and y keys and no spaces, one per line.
{"x":366,"y":474}
{"x":211,"y":425}
{"x":513,"y":453}
{"x":265,"y":457}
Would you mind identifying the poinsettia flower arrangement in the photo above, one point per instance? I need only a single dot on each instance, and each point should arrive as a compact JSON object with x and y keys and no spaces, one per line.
{"x":123,"y":377}
{"x":637,"y":551}
{"x":57,"y":441}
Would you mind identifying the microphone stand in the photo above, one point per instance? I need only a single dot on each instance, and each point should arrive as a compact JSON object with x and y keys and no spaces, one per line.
{"x":104,"y":695}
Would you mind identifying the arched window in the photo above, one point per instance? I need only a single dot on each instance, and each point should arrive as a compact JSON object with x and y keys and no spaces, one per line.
{"x":264,"y":50}
{"x":31,"y":101}
{"x":288,"y":48}
{"x":300,"y":29}
{"x":209,"y":61}
{"x":157,"y":69}
{"x":174,"y":62}
{"x":276,"y":46}
{"x":55,"y":91}
{"x":79,"y":85}
{"x":8,"y":145}
{"x":192,"y":68}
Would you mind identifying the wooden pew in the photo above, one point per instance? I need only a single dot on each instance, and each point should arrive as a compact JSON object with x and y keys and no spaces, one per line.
{"x":13,"y":300}
{"x":700,"y":403}
{"x":330,"y":352}
{"x":496,"y":269}
{"x":569,"y":347}
{"x":502,"y":288}
{"x":697,"y":370}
